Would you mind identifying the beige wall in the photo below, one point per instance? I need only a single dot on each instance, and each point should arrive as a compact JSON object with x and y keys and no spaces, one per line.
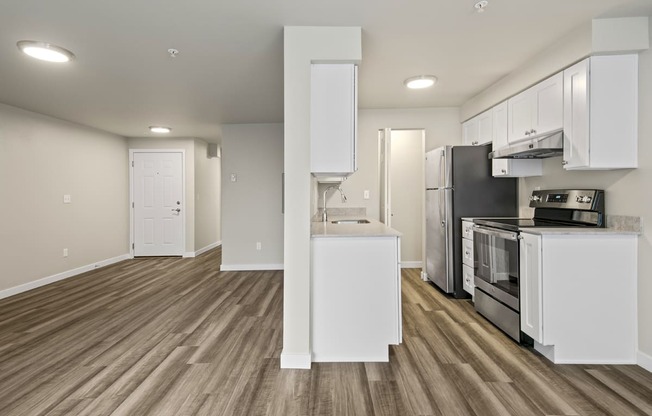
{"x":626,"y":190}
{"x":442,"y":126}
{"x":207,"y":197}
{"x":41,"y":159}
{"x":251,"y":206}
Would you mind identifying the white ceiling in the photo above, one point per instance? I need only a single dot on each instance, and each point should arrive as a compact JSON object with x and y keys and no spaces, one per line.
{"x":230,"y":66}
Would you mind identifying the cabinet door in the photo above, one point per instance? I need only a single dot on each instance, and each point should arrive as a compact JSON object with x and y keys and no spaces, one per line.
{"x":470,"y":132}
{"x":467,"y":279}
{"x":333,"y":118}
{"x":530,"y":286}
{"x":576,"y":115}
{"x":548,"y":105}
{"x":467,"y":252}
{"x":500,"y":126}
{"x":485,"y":127}
{"x":519,"y":116}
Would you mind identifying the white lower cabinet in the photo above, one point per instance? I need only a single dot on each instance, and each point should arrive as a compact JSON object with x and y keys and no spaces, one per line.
{"x":467,"y":257}
{"x":356,"y":298}
{"x":578,"y":296}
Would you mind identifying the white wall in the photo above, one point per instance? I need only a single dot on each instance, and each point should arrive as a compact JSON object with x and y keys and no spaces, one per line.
{"x":251,"y":206}
{"x":207,"y":197}
{"x":442,"y":127}
{"x":626,"y":190}
{"x":41,"y":159}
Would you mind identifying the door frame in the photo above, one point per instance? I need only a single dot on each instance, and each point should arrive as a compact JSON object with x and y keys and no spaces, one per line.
{"x":387,"y":131}
{"x":132,"y":152}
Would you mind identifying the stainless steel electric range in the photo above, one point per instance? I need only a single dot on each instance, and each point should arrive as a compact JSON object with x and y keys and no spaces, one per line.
{"x":496,"y":250}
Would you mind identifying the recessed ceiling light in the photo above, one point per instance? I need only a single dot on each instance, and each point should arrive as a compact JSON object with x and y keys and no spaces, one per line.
{"x":159,"y":129}
{"x":481,"y":5}
{"x":421,"y":81}
{"x":45,"y":51}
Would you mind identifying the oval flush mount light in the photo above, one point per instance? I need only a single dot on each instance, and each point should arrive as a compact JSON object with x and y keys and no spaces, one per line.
{"x":421,"y":81}
{"x":159,"y":129}
{"x":481,"y":6}
{"x":45,"y":51}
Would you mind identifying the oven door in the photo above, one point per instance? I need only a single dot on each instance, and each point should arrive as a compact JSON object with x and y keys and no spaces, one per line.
{"x":496,"y":266}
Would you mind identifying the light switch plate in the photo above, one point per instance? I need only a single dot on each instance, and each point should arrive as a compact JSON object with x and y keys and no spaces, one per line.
{"x":234,"y":177}
{"x":366,"y":194}
{"x":67,"y":199}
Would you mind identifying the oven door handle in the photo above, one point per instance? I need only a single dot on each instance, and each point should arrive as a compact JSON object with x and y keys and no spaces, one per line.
{"x":507,"y":235}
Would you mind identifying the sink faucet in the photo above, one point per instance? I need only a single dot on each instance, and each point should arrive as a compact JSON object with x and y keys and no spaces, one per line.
{"x":324,"y":215}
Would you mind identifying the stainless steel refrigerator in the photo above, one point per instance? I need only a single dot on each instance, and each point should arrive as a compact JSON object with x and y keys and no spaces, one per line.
{"x":459,"y":184}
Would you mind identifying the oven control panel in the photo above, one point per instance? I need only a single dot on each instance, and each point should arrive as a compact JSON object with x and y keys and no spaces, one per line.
{"x":582,"y":199}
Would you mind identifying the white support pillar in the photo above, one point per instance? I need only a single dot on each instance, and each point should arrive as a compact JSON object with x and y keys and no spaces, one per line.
{"x":303,"y":45}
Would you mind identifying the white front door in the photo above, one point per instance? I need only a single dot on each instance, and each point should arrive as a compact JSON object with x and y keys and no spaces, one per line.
{"x":158,"y":210}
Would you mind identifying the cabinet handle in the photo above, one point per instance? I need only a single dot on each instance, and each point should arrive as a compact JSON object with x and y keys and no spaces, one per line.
{"x":467,"y":253}
{"x":564,"y":162}
{"x":503,"y":171}
{"x":474,"y":143}
{"x":527,"y":133}
{"x":533,"y":131}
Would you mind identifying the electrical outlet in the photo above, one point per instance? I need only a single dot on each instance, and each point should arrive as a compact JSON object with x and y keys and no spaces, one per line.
{"x":259,"y":245}
{"x":366,"y":194}
{"x":234,"y":177}
{"x":65,"y":252}
{"x":67,"y":199}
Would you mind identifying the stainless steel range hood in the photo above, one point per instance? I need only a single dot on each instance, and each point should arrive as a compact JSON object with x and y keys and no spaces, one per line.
{"x":539,"y":147}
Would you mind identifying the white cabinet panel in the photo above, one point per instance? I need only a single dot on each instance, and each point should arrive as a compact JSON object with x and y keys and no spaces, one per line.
{"x":478,"y":130}
{"x":333,"y":119}
{"x":530,"y":286}
{"x":509,"y":167}
{"x":467,"y":252}
{"x":537,"y":110}
{"x":467,"y":279}
{"x":467,"y":230}
{"x":601,"y":113}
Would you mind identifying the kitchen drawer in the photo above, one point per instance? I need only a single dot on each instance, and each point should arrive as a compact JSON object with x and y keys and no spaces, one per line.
{"x":467,"y":279}
{"x":467,"y":252}
{"x":467,"y":230}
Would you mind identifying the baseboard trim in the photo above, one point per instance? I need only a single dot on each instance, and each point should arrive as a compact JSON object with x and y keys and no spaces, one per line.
{"x":188,"y":254}
{"x":411,"y":264}
{"x":644,"y":360}
{"x":248,"y":267}
{"x":296,"y":361}
{"x":61,"y":276}
{"x":208,"y":247}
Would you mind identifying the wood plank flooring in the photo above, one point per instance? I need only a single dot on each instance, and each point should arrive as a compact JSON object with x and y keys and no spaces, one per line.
{"x":169,"y":336}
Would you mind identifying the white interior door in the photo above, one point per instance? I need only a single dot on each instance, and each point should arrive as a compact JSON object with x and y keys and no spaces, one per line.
{"x":158,"y":212}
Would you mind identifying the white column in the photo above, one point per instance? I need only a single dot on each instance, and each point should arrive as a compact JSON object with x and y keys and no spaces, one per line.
{"x":303,"y":45}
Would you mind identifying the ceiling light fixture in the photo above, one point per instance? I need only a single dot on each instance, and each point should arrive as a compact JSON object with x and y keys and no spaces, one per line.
{"x":45,"y":51}
{"x":173,"y":52}
{"x":159,"y":129}
{"x":421,"y":81}
{"x":481,"y":6}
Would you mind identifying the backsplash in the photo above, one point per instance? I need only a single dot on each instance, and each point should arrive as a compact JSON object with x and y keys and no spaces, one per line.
{"x":341,"y":212}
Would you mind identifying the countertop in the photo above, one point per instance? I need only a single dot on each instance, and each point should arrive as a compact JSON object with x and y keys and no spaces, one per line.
{"x":577,"y":231}
{"x":375,"y":228}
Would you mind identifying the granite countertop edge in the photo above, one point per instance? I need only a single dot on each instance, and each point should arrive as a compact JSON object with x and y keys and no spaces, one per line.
{"x":375,"y":228}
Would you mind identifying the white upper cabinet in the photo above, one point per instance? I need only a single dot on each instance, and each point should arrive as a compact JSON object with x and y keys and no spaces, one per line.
{"x":509,"y":167}
{"x":478,"y":130}
{"x":333,"y":119}
{"x":601,"y":113}
{"x":537,"y":110}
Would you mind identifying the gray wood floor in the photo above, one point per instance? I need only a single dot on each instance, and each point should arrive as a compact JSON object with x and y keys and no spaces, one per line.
{"x":178,"y":337}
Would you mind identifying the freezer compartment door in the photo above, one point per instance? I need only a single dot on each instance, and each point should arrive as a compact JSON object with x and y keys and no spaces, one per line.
{"x":439,"y":168}
{"x":439,"y":238}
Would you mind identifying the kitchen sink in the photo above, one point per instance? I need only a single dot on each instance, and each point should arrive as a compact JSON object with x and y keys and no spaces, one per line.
{"x":350,"y":222}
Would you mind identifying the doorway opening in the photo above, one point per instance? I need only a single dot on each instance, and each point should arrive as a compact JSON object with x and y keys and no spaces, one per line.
{"x":401,"y":189}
